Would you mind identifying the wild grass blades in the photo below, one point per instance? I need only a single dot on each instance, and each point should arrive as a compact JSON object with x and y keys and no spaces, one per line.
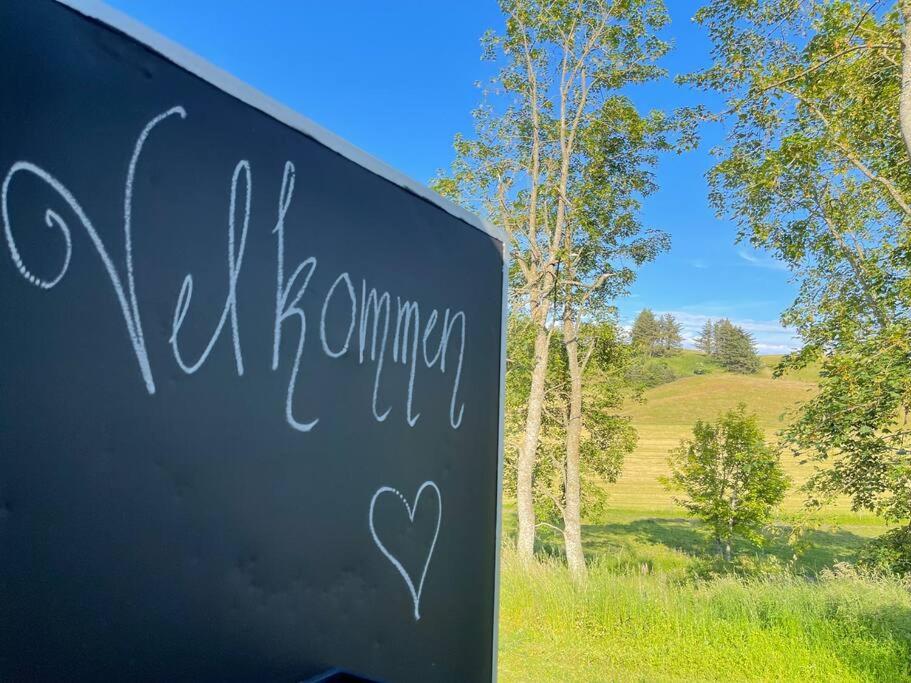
{"x":634,"y":625}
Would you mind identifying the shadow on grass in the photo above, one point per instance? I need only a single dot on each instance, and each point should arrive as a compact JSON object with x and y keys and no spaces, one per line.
{"x":667,"y":543}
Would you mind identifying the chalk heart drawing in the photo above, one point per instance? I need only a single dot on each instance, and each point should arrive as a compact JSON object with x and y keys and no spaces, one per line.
{"x":409,"y":582}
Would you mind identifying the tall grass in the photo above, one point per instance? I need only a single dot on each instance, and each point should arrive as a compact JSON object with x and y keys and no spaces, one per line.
{"x":637,"y":626}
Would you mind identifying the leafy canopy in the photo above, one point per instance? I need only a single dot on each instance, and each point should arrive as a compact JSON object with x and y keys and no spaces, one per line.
{"x":815,"y":171}
{"x":728,"y":477}
{"x":607,"y":435}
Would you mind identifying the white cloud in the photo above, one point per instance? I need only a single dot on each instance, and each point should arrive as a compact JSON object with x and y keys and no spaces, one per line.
{"x":760,"y":262}
{"x":769,"y":349}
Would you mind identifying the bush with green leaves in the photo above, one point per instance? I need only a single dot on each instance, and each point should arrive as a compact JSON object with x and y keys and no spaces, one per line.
{"x":728,"y":477}
{"x":649,"y":374}
{"x":889,"y":553}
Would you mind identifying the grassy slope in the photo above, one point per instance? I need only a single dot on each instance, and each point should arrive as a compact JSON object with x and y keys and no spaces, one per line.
{"x":667,"y":413}
{"x":643,"y":527}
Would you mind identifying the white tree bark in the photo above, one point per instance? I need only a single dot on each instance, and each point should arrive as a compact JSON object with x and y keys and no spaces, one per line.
{"x":572,"y":480}
{"x":540,"y":297}
{"x":525,"y":542}
{"x":904,"y":109}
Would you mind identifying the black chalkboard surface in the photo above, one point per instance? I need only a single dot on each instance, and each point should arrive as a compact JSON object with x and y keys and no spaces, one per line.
{"x":249,"y":387}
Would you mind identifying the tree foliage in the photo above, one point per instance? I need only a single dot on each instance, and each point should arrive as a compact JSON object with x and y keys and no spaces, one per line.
{"x":815,"y":171}
{"x":730,"y":345}
{"x":654,"y":335}
{"x":560,"y":159}
{"x":670,"y":337}
{"x":608,"y":435}
{"x":646,"y":332}
{"x":735,"y":348}
{"x":729,"y":477}
{"x":647,"y":373}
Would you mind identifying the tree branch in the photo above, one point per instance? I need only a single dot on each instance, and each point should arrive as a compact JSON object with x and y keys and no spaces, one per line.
{"x":852,"y":156}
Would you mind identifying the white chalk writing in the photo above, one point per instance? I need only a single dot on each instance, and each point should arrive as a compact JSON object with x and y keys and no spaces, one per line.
{"x":411,"y":509}
{"x":341,"y":311}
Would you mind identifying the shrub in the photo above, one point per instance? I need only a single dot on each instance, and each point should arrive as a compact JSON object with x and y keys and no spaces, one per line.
{"x":889,"y":553}
{"x":650,"y":374}
{"x":729,"y":477}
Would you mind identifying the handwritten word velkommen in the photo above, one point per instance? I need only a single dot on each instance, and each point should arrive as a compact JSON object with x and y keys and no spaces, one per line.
{"x":375,"y":319}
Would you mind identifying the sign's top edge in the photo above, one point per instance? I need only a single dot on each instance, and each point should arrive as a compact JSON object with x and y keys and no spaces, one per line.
{"x":190,"y":61}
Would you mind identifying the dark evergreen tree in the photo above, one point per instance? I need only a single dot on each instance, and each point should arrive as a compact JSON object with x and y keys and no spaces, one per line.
{"x":721,"y":330}
{"x":670,"y":338}
{"x":647,"y":332}
{"x":737,"y":349}
{"x":705,"y":342}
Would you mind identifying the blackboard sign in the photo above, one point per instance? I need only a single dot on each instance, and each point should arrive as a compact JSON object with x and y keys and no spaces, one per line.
{"x":250,"y":381}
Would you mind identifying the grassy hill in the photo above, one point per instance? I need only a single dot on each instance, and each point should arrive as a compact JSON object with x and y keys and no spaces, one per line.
{"x":642,"y":526}
{"x":650,"y":611}
{"x":666,"y":414}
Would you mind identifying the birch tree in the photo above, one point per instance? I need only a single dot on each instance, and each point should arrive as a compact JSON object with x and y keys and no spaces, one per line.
{"x":561,"y":67}
{"x":585,"y":436}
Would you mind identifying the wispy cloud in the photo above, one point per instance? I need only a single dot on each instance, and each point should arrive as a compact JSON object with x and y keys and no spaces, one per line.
{"x":761,"y":262}
{"x":699,"y":263}
{"x":724,"y":308}
{"x":769,"y":349}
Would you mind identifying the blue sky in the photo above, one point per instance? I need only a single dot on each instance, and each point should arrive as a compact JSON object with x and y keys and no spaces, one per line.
{"x":398,"y":80}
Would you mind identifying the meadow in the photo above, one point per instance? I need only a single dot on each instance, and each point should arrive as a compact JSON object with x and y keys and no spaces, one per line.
{"x":629,"y":626}
{"x":657,"y":608}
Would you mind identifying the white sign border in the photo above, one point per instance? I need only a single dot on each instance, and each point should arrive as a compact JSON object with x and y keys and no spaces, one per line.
{"x":189,"y":61}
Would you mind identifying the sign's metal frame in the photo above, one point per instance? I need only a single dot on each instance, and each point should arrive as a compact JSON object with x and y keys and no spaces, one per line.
{"x":187,"y":60}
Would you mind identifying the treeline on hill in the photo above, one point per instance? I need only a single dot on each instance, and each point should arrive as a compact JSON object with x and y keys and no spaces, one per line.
{"x":655,"y":337}
{"x":731,"y":346}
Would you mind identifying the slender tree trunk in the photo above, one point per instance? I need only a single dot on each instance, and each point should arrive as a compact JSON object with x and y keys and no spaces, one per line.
{"x":730,"y":538}
{"x":528,"y":452}
{"x":540,"y":298}
{"x":904,"y":110}
{"x":572,"y":484}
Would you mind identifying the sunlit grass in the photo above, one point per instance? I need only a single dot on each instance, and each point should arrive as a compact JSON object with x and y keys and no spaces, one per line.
{"x":639,"y":625}
{"x":667,"y":413}
{"x":656,"y":608}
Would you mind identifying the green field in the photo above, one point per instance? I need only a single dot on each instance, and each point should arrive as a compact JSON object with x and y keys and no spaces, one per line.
{"x":667,"y":413}
{"x":654,"y":610}
{"x":633,"y":626}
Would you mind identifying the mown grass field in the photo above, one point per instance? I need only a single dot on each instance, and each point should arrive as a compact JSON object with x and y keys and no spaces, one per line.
{"x":667,"y":413}
{"x":652,"y":610}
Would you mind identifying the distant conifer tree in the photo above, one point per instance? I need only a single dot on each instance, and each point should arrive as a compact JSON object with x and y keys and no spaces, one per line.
{"x":670,"y":338}
{"x":705,"y":342}
{"x":735,"y":348}
{"x":647,"y":332}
